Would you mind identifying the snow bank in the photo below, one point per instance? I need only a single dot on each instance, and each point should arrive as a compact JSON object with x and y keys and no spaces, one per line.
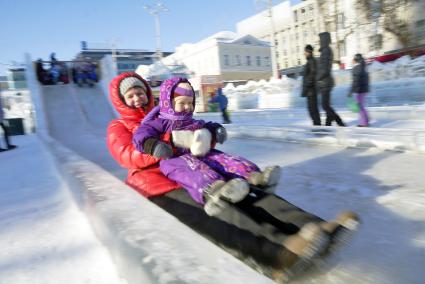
{"x":394,"y":83}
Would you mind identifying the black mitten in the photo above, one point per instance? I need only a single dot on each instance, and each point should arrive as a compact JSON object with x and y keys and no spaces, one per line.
{"x":157,"y":148}
{"x":220,"y":135}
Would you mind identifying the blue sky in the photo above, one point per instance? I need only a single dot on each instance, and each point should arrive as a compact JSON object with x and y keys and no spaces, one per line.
{"x":43,"y":26}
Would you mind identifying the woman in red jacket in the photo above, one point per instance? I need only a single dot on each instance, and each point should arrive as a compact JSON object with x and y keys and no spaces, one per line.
{"x":263,"y":230}
{"x":143,"y":171}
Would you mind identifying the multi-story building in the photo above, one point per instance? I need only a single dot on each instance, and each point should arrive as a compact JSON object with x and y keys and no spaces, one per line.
{"x":294,"y":27}
{"x":298,"y":25}
{"x":16,"y":78}
{"x":226,"y":54}
{"x":222,"y":57}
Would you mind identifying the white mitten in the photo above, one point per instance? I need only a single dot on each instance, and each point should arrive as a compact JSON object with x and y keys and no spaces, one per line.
{"x":182,"y":138}
{"x":201,"y":142}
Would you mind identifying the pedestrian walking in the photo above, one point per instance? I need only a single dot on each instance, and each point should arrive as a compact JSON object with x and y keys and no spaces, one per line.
{"x":325,"y":81}
{"x":222,"y":101}
{"x":360,"y":88}
{"x":309,"y":85}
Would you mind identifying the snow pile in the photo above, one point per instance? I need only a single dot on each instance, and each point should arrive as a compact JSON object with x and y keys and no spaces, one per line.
{"x":262,"y":94}
{"x":394,"y":83}
{"x":17,"y":104}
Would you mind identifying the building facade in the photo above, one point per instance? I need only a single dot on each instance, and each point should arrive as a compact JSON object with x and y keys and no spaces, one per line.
{"x":125,"y":59}
{"x":227,"y":54}
{"x":16,"y":78}
{"x":298,"y":25}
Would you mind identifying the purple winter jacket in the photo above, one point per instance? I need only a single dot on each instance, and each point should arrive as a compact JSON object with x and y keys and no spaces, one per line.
{"x":162,"y":120}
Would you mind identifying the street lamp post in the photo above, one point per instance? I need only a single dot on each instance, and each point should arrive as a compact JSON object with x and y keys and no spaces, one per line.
{"x":275,"y":71}
{"x":154,"y":11}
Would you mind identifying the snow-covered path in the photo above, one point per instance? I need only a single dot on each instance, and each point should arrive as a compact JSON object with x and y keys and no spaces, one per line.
{"x":44,"y":237}
{"x":385,"y":188}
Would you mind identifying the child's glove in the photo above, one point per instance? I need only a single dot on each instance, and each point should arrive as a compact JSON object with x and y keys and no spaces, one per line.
{"x":162,"y":150}
{"x":201,"y":143}
{"x":220,"y":135}
{"x":182,"y":138}
{"x":157,"y":148}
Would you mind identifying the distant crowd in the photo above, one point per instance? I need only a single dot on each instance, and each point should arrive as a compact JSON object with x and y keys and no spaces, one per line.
{"x":82,"y":72}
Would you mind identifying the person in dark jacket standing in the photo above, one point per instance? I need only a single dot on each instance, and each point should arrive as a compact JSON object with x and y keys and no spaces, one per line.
{"x":360,"y":88}
{"x":309,"y":85}
{"x":325,"y":81}
{"x":222,"y":101}
{"x":5,"y":130}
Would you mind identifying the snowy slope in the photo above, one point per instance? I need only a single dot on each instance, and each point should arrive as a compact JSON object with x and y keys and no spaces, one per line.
{"x":44,"y":237}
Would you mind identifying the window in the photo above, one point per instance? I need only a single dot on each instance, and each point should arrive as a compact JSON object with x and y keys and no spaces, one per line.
{"x":226,"y":60}
{"x":248,"y":60}
{"x":375,"y":42}
{"x":267,"y":60}
{"x":295,"y":16}
{"x":341,"y":21}
{"x":258,"y":60}
{"x":299,"y":61}
{"x":238,"y":60}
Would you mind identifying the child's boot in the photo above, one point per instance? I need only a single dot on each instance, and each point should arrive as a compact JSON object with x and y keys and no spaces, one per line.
{"x":213,"y":203}
{"x":220,"y":193}
{"x":300,"y":252}
{"x":341,"y":230}
{"x":268,"y":178}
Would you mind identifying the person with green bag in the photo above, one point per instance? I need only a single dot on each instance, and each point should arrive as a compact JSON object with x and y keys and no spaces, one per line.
{"x":360,"y":88}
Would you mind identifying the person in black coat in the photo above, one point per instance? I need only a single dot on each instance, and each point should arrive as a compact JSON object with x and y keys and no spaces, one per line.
{"x":325,"y":81}
{"x":360,"y":88}
{"x":309,"y":85}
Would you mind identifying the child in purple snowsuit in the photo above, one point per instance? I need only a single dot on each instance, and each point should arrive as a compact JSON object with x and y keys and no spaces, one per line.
{"x":211,"y":177}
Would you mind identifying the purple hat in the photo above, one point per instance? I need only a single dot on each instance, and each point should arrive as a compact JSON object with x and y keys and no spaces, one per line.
{"x":166,"y":92}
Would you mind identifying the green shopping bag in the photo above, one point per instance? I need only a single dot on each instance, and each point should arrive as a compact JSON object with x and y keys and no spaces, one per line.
{"x":353,"y":105}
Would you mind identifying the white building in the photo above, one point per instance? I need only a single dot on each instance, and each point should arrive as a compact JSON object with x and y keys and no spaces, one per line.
{"x":226,"y":54}
{"x":294,"y":26}
{"x":298,"y":25}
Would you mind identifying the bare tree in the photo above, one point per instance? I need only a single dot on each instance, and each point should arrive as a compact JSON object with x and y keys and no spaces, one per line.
{"x":391,"y":15}
{"x":335,"y":22}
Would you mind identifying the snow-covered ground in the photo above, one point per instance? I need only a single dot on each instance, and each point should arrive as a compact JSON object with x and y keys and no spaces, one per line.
{"x":44,"y":237}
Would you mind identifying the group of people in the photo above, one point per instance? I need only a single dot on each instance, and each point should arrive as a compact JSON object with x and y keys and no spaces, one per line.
{"x":172,"y":160}
{"x":82,"y":72}
{"x":57,"y":72}
{"x":317,"y":78}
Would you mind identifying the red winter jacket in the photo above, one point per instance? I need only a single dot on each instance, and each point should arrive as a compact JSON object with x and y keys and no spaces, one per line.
{"x":143,"y":169}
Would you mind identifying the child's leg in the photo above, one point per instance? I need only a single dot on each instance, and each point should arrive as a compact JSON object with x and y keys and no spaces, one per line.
{"x":230,"y":166}
{"x":237,"y":167}
{"x":191,"y":173}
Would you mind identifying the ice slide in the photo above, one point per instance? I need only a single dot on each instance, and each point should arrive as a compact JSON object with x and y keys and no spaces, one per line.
{"x":78,"y":118}
{"x":125,"y":222}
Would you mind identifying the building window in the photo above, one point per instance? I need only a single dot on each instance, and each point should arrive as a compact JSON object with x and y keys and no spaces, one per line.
{"x":258,"y":60}
{"x":341,"y":21}
{"x":420,"y":24}
{"x":375,"y":42}
{"x":248,"y":60}
{"x":238,"y":60}
{"x":295,"y":16}
{"x":267,"y":60}
{"x":226,"y":60}
{"x":285,"y":52}
{"x":299,"y":61}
